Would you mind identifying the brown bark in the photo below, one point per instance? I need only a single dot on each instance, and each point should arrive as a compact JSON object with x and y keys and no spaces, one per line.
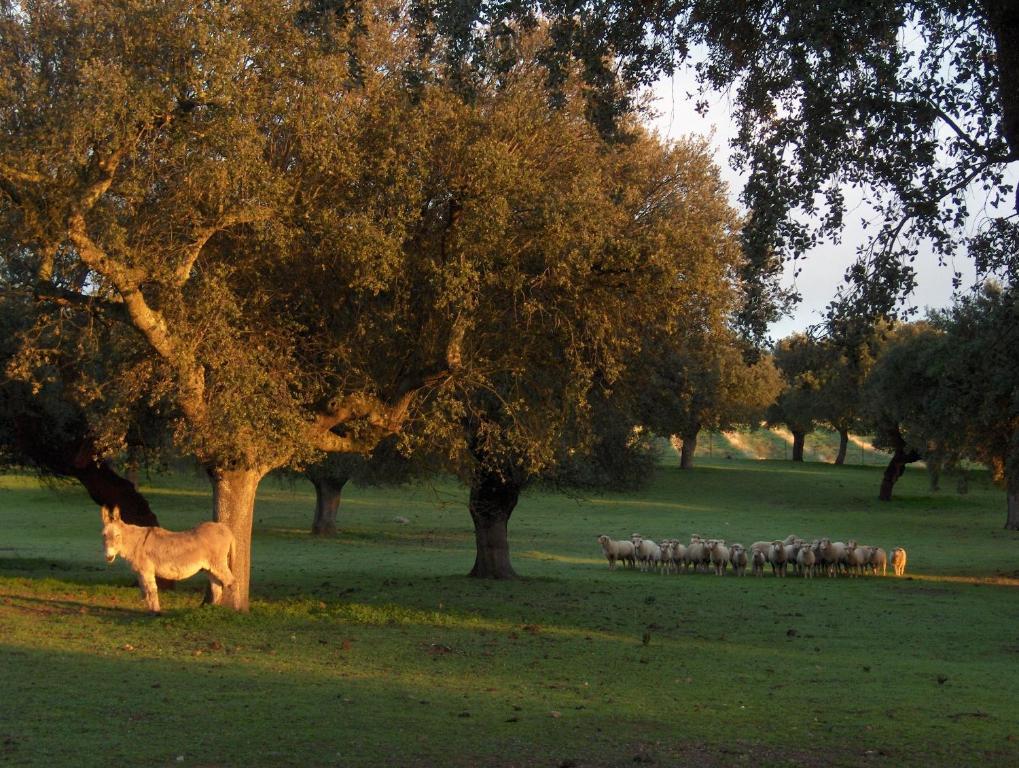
{"x":233,"y":502}
{"x":688,"y":449}
{"x":799,"y":438}
{"x":328,"y":493}
{"x":896,"y":467}
{"x":840,"y":459}
{"x":492,"y":501}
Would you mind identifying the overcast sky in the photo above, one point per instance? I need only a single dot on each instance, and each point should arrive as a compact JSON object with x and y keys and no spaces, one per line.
{"x":823,"y":269}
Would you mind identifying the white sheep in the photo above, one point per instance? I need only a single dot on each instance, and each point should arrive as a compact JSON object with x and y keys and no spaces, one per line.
{"x":758,"y":559}
{"x":679,"y":556}
{"x":777,"y":557}
{"x":719,"y":555}
{"x":899,"y":561}
{"x":833,"y":555}
{"x":697,"y":552}
{"x":616,"y":551}
{"x":738,"y":558}
{"x":805,"y":561}
{"x":857,"y":557}
{"x":879,"y":560}
{"x":648,"y":554}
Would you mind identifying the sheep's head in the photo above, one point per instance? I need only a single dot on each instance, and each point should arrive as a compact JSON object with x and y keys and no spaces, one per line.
{"x":603,"y":539}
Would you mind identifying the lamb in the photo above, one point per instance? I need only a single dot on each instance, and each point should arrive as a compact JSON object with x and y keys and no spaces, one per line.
{"x":758,"y":560}
{"x":738,"y":558}
{"x":879,"y":559}
{"x":719,"y":555}
{"x":805,"y":561}
{"x":616,"y":551}
{"x":899,"y":561}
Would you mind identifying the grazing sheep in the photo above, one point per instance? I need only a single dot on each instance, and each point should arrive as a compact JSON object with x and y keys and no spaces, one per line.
{"x":899,"y":561}
{"x":616,"y":551}
{"x":738,"y":558}
{"x":805,"y":561}
{"x":719,"y":555}
{"x":758,"y":559}
{"x":879,"y":560}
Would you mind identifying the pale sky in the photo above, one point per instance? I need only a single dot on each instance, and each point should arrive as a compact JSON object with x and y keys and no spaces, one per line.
{"x":822,"y":270}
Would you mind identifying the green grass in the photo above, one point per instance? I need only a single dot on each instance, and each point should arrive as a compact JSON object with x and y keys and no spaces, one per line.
{"x":374,"y":649}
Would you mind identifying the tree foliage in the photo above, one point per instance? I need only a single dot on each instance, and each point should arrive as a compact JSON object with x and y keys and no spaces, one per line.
{"x":911,"y":102}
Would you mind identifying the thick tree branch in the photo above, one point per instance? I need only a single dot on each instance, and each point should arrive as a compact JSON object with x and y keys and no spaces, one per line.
{"x":13,"y":175}
{"x":203,"y":235}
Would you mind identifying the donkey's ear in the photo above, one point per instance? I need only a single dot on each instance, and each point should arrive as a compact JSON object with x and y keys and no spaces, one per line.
{"x":104,"y":513}
{"x":116,"y":514}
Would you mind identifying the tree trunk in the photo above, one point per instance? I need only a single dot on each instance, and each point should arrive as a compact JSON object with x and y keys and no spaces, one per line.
{"x":1003,"y":21}
{"x":328,"y":493}
{"x":688,"y":449}
{"x":1012,"y":497}
{"x":75,"y":457}
{"x":840,"y":459}
{"x":233,"y":503}
{"x":106,"y":488}
{"x":894,"y":471}
{"x":492,"y":501}
{"x":799,"y":438}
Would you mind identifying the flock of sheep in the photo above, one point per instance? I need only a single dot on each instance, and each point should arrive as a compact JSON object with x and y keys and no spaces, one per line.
{"x":805,"y":558}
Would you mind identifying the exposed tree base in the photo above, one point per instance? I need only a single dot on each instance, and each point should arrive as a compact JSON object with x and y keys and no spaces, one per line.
{"x":492,"y":501}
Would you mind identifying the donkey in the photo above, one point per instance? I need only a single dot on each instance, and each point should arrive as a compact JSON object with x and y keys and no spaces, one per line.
{"x":154,"y":551}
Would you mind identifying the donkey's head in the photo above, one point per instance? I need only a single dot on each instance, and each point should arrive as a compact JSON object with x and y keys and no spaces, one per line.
{"x":113,"y":531}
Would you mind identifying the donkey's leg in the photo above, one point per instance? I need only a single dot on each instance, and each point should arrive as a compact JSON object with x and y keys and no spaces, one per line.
{"x":147,"y":581}
{"x":215,"y":588}
{"x":221,"y":570}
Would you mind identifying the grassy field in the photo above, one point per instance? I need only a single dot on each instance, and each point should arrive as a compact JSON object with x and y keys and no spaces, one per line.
{"x":374,"y":649}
